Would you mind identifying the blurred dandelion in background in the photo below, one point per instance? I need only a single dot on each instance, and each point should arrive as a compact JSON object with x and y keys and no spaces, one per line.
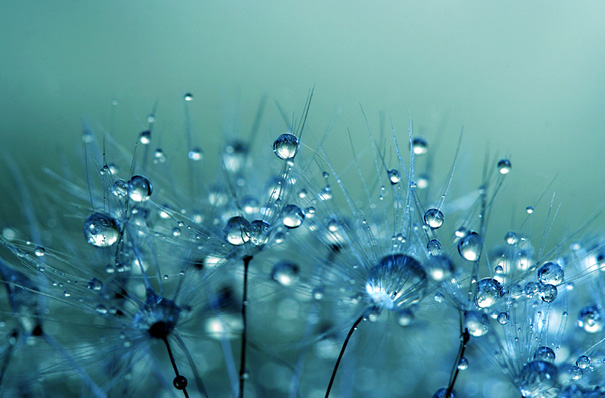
{"x":302,"y":200}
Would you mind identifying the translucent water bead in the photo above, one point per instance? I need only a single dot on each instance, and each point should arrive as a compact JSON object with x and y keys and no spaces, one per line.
{"x":434,"y":218}
{"x":538,"y":379}
{"x":469,"y":247}
{"x":286,"y":146}
{"x":590,"y":319}
{"x":488,"y":293}
{"x":504,"y":166}
{"x":139,"y":189}
{"x":237,"y":231}
{"x":551,"y":273}
{"x":101,"y":230}
{"x":396,"y":282}
{"x":285,"y":273}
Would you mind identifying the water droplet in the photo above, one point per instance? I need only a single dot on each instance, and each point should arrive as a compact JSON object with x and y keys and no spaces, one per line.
{"x":469,"y":247}
{"x":195,"y":154}
{"x":537,"y":379}
{"x":39,"y":251}
{"x":434,"y":218}
{"x":139,"y":189}
{"x":488,"y":293}
{"x":576,"y":373}
{"x":511,"y":238}
{"x":420,"y":146}
{"x":234,"y":156}
{"x":529,"y":209}
{"x":397,"y":281}
{"x":504,"y":166}
{"x":422,"y":181}
{"x":145,"y":137}
{"x":463,"y":364}
{"x":95,"y":284}
{"x":159,"y":156}
{"x":259,"y":232}
{"x":551,"y":273}
{"x":101,"y":230}
{"x":476,"y":322}
{"x":548,"y":293}
{"x":405,"y":317}
{"x":188,"y":97}
{"x":237,"y":231}
{"x":293,"y":216}
{"x":394,"y":176}
{"x":545,"y":354}
{"x":590,"y":319}
{"x":285,"y":273}
{"x":119,"y":188}
{"x":439,"y":297}
{"x":583,"y":362}
{"x":434,"y":247}
{"x":101,"y":309}
{"x":440,"y":267}
{"x":503,"y":318}
{"x":286,"y":146}
{"x":318,"y":293}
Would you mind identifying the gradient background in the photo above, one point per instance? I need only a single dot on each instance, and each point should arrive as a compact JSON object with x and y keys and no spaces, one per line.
{"x":525,"y":80}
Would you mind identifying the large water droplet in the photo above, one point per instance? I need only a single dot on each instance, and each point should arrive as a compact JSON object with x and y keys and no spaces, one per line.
{"x":434,"y":218}
{"x":548,"y":293}
{"x":139,"y":189}
{"x":590,"y":319}
{"x":504,"y":166}
{"x":538,"y":379}
{"x":420,"y":146}
{"x":469,"y":247}
{"x":286,"y":146}
{"x":440,"y":267}
{"x":488,"y":292}
{"x":396,"y":282}
{"x":545,"y":354}
{"x":394,"y":176}
{"x":237,"y":231}
{"x":293,"y":216}
{"x":285,"y":273}
{"x":551,"y":273}
{"x":476,"y":322}
{"x":259,"y":232}
{"x":101,"y":230}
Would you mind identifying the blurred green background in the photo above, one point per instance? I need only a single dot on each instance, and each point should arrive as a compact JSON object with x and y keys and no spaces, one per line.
{"x":524,"y":78}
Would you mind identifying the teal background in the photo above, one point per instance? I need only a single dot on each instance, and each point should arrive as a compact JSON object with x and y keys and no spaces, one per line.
{"x":525,"y":79}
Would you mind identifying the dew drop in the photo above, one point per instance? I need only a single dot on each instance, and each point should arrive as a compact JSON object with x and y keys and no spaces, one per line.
{"x":420,"y":146}
{"x":440,"y":267}
{"x":101,"y":230}
{"x":476,"y":322}
{"x":463,"y":364}
{"x":545,"y":354}
{"x":188,"y":97}
{"x":145,"y":137}
{"x":511,"y":238}
{"x":293,"y":216}
{"x":405,"y":317}
{"x":95,"y":284}
{"x":434,"y":218}
{"x":286,"y":146}
{"x":195,"y":154}
{"x":504,"y":166}
{"x":259,"y":232}
{"x":488,"y":293}
{"x":394,"y":176}
{"x":469,"y":247}
{"x":237,"y":231}
{"x":537,"y":379}
{"x":548,"y":293}
{"x":139,"y":189}
{"x":119,"y":188}
{"x":39,"y":251}
{"x":503,"y":318}
{"x":529,"y":209}
{"x":551,"y":273}
{"x":590,"y":319}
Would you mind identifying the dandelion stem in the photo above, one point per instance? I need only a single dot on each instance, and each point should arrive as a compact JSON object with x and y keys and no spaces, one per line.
{"x":464,"y":339}
{"x":342,"y":351}
{"x":242,"y":365}
{"x":178,"y":377}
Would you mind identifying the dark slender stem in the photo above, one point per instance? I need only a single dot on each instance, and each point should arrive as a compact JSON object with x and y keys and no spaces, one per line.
{"x":242,"y":364}
{"x":464,"y":339}
{"x":176,"y":369}
{"x":342,"y":351}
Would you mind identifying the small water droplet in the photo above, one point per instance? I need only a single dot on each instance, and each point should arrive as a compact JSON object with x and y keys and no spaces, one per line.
{"x":139,"y":188}
{"x":434,"y":218}
{"x":504,"y":166}
{"x":420,"y":146}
